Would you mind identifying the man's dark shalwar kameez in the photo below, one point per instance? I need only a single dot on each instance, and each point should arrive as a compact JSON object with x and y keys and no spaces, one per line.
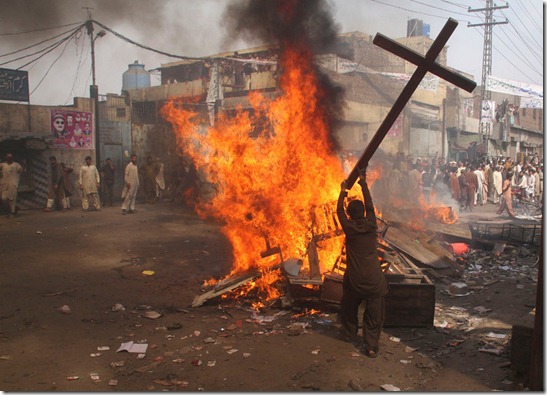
{"x":363,"y":278}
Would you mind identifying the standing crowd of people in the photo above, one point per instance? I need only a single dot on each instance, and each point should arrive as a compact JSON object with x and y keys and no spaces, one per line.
{"x":97,"y":185}
{"x":490,"y":181}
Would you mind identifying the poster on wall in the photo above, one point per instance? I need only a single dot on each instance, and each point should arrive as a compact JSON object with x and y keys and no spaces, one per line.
{"x":72,"y":129}
{"x":487,"y":110}
{"x":396,"y":129}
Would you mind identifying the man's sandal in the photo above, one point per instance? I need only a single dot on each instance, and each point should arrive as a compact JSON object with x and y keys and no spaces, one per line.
{"x":369,"y":353}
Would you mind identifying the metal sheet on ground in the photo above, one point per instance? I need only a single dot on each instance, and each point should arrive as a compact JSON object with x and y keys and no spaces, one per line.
{"x":412,"y":247}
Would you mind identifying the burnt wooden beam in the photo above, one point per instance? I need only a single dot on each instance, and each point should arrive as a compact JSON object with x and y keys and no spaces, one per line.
{"x":229,"y":284}
{"x":424,"y":64}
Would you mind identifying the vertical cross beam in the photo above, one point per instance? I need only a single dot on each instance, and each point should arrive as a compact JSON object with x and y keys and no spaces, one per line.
{"x":424,"y":64}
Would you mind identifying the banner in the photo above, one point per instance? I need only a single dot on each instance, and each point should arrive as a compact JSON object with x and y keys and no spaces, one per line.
{"x":487,"y":110}
{"x":14,"y":85}
{"x":516,"y":88}
{"x":530,"y":102}
{"x":72,"y":129}
{"x":428,"y":83}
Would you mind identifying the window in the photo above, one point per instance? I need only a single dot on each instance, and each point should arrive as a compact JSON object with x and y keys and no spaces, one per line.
{"x":144,"y":112}
{"x":120,"y":112}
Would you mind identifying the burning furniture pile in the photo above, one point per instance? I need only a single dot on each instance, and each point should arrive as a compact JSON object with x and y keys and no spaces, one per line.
{"x":410,"y":302}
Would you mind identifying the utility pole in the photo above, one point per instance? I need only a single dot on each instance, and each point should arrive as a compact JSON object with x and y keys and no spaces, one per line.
{"x":484,"y":127}
{"x":94,"y":89}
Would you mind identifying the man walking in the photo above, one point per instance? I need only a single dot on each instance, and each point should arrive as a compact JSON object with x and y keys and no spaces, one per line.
{"x":131,"y":186}
{"x":507,"y":197}
{"x":89,"y":185}
{"x":10,"y":174}
{"x":363,"y":279}
{"x":498,"y":182}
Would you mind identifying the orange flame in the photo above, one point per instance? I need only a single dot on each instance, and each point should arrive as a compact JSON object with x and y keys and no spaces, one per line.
{"x":267,"y":183}
{"x":440,"y":212}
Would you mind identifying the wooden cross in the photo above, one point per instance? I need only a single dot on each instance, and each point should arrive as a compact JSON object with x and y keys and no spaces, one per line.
{"x":424,"y":64}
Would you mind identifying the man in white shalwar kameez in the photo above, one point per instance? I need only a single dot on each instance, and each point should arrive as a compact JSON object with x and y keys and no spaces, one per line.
{"x":131,"y":186}
{"x":89,"y":185}
{"x":498,"y":181}
{"x":479,"y":193}
{"x":10,"y":174}
{"x":531,"y":180}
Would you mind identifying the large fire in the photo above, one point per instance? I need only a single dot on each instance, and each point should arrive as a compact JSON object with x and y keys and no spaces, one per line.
{"x":268,"y":184}
{"x":276,"y":186}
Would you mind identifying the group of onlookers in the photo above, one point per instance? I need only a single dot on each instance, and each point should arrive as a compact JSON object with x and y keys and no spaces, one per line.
{"x":97,"y":185}
{"x":406,"y":181}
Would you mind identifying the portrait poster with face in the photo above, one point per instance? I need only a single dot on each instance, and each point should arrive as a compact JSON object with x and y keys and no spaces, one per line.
{"x":72,"y":129}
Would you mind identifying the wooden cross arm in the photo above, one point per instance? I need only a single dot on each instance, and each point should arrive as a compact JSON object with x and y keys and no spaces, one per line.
{"x":417,"y":59}
{"x":425,"y":63}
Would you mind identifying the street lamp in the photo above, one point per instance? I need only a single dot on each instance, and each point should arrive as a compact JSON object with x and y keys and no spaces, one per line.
{"x":94,"y":89}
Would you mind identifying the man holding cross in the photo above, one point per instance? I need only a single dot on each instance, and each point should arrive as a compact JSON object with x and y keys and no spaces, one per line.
{"x":363,"y":278}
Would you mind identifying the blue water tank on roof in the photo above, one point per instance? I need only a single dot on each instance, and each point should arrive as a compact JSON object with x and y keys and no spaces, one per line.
{"x":135,"y":77}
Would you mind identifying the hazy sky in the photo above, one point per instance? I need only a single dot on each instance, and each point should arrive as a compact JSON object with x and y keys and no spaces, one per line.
{"x":195,"y":28}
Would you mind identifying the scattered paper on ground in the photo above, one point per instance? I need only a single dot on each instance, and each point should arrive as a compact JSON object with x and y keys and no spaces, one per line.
{"x":133,"y":347}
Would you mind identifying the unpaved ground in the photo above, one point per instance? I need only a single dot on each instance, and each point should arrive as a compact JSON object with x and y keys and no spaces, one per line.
{"x":91,"y":261}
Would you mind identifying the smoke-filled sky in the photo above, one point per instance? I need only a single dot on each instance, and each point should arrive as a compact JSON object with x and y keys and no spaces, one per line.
{"x":200,"y":28}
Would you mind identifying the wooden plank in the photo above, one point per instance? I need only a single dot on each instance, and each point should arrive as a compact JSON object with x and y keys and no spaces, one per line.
{"x":313,"y":259}
{"x":460,"y":230}
{"x":407,"y":244}
{"x":229,"y":284}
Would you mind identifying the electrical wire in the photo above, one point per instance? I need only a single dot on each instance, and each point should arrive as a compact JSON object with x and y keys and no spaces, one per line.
{"x":77,"y":74}
{"x":40,"y":30}
{"x":516,"y":67}
{"x":143,"y":46}
{"x":66,"y":39}
{"x":39,"y":43}
{"x":505,"y":57}
{"x":439,"y":8}
{"x":414,"y":11}
{"x":524,"y":58}
{"x":54,"y":45}
{"x":454,"y":4}
{"x":50,"y":67}
{"x":87,"y":82}
{"x":438,"y":16}
{"x":517,"y":48}
{"x":531,"y":18}
{"x":526,"y":28}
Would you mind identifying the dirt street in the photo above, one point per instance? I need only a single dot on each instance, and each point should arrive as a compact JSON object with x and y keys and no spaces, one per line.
{"x":155,"y":262}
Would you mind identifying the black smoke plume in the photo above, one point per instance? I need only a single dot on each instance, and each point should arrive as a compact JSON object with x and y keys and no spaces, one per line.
{"x":302,"y":23}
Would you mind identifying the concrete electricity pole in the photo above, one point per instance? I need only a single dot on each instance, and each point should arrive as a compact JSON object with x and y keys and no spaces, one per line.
{"x":484,"y":127}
